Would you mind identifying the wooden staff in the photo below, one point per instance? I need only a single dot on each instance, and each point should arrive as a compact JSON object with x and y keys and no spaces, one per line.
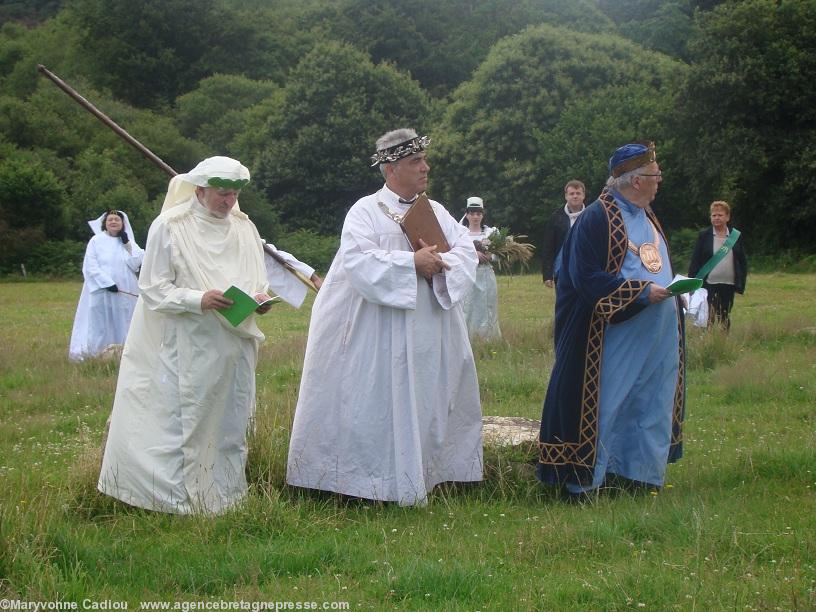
{"x":152,"y":157}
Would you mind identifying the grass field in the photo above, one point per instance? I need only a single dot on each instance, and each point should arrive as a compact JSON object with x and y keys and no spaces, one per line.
{"x":732,"y":530}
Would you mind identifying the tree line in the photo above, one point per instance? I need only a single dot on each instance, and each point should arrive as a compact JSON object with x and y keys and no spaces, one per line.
{"x":518,"y":96}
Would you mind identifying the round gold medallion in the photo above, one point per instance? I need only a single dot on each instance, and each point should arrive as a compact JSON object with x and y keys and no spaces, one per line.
{"x":650,"y":256}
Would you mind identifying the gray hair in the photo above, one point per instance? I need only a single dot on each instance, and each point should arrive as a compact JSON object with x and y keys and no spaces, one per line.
{"x":394,"y":137}
{"x":624,"y":180}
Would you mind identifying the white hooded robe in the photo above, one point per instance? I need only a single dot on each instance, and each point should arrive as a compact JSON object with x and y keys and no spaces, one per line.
{"x":103,"y":317}
{"x":186,"y":389}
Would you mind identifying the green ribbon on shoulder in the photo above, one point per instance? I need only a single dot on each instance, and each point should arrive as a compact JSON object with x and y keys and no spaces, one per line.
{"x":708,"y":266}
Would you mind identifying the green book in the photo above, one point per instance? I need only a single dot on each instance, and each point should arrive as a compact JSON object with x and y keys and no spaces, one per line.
{"x":684,"y":284}
{"x":243,"y":305}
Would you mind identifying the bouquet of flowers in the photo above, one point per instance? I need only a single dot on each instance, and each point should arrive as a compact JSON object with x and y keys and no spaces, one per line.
{"x":507,"y":249}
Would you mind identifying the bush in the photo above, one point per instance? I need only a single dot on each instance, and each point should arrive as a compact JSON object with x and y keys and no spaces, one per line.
{"x":681,"y":245}
{"x":311,"y":248}
{"x":31,"y":197}
{"x":791,"y":261}
{"x":62,"y":258}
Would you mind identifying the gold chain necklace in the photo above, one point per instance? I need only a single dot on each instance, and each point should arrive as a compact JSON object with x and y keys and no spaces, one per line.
{"x":649,"y":252}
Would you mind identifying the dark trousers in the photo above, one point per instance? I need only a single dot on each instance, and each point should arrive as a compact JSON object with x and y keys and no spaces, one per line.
{"x":720,"y":301}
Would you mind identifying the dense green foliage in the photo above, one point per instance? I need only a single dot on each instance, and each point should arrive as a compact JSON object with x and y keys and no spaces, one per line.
{"x":28,"y":11}
{"x":662,"y":25}
{"x":518,"y":97}
{"x":756,"y":141}
{"x":22,"y":225}
{"x":152,"y":51}
{"x":441,"y":43}
{"x":542,"y":100}
{"x":298,"y":151}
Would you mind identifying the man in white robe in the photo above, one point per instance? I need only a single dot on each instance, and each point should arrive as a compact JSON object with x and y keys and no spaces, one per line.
{"x":389,"y":399}
{"x":186,"y":389}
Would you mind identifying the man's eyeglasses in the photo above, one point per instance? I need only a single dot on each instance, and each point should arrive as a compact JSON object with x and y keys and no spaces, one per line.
{"x":659,"y":174}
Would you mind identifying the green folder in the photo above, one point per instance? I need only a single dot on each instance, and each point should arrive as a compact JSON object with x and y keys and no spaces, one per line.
{"x":243,"y":305}
{"x":684,"y":285}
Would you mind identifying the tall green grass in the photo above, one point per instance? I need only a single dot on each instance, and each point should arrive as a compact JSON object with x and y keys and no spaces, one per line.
{"x":733,"y":528}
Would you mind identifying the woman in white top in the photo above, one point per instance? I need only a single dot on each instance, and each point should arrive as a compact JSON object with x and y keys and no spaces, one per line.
{"x":111,"y":268}
{"x":482,"y":304}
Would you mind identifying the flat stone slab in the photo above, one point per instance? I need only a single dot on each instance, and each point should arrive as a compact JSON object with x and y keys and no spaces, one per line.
{"x":509,"y":431}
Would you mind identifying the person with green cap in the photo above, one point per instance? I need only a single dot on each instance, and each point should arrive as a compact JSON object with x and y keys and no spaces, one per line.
{"x":186,"y":388}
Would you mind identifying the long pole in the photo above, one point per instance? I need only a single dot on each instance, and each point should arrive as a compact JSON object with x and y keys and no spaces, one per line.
{"x":106,"y":120}
{"x":151,"y":156}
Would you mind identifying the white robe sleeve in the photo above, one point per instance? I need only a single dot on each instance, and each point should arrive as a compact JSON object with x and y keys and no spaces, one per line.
{"x":284,"y":283}
{"x":94,"y":269}
{"x":452,"y":286}
{"x":134,"y":261}
{"x":384,"y":277}
{"x":157,"y":279}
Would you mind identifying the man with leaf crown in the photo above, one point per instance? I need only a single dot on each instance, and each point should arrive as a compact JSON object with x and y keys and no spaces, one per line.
{"x":389,"y":400}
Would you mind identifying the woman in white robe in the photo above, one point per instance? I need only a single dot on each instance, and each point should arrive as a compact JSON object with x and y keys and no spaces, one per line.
{"x":110,"y":268}
{"x":481,"y":305}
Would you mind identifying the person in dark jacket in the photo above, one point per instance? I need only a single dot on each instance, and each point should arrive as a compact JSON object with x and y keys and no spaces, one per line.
{"x":560,"y":223}
{"x":729,"y":275}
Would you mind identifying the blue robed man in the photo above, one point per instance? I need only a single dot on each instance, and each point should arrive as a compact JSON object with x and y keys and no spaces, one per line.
{"x":614,"y":407}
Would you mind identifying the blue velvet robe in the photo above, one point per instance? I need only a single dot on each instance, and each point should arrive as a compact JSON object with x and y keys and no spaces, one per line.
{"x":616,"y":397}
